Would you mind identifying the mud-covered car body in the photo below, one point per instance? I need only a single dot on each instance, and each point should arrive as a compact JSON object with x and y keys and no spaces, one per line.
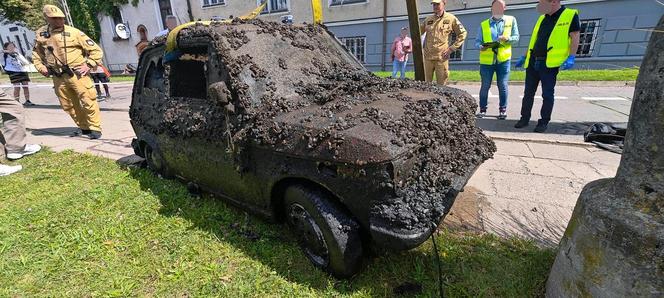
{"x":247,"y":109}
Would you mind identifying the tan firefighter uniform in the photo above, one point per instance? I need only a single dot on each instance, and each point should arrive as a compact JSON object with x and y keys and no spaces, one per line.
{"x":438,"y":31}
{"x":72,"y":48}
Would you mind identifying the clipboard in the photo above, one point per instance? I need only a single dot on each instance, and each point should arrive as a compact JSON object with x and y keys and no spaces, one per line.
{"x":492,"y":45}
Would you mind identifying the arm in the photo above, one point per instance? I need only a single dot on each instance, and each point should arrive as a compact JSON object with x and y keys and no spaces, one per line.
{"x":574,"y":45}
{"x":92,"y":49}
{"x":479,"y":39}
{"x":22,"y":59}
{"x":514,"y":39}
{"x":37,"y":58}
{"x":461,"y":35}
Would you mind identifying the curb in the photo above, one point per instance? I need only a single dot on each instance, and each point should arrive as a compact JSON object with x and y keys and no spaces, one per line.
{"x":561,"y":83}
{"x":551,"y":142}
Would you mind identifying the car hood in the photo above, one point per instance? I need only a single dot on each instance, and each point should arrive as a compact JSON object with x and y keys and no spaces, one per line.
{"x":357,"y":138}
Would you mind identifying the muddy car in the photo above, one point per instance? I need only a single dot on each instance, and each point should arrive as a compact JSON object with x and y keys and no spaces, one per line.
{"x":284,"y":122}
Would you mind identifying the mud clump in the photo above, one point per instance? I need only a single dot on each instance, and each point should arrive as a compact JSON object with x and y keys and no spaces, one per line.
{"x":295,"y":89}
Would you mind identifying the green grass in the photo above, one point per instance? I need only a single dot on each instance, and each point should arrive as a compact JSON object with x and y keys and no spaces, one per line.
{"x":77,"y":225}
{"x":627,"y":74}
{"x":38,"y":78}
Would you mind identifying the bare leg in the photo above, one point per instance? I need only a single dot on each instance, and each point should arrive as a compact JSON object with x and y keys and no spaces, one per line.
{"x":26,"y":91}
{"x":17,"y":92}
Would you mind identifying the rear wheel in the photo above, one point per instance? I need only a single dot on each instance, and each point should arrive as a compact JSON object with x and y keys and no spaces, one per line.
{"x":329,"y":237}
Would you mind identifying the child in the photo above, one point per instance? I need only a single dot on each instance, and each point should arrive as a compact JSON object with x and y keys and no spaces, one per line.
{"x":15,"y":66}
{"x":100,"y":77}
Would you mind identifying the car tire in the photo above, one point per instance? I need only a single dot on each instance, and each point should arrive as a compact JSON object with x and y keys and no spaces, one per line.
{"x":328,"y":236}
{"x":155,"y":161}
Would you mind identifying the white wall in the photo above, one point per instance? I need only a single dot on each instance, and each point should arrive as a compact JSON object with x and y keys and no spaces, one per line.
{"x":119,"y":52}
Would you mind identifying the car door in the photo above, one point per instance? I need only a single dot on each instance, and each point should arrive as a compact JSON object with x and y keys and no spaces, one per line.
{"x":202,"y":151}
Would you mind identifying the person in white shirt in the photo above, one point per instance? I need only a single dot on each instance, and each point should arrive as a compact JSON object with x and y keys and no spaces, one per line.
{"x":171,"y":23}
{"x":16,"y":66}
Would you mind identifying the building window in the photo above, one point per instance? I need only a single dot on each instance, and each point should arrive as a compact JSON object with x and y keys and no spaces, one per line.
{"x":458,"y":54}
{"x":274,"y":6}
{"x":356,"y":46}
{"x":208,"y":3}
{"x":342,"y":2}
{"x":116,"y":15}
{"x":588,"y":35}
{"x":142,"y":32}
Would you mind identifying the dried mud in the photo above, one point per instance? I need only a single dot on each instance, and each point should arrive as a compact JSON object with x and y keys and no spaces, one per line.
{"x":272,"y":72}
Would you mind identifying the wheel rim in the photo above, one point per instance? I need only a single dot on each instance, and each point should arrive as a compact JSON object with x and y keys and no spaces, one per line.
{"x":309,"y":235}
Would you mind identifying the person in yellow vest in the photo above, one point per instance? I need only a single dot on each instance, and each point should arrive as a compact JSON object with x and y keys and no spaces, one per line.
{"x":553,"y":46}
{"x":67,"y":55}
{"x":494,"y":40}
{"x":437,"y":50}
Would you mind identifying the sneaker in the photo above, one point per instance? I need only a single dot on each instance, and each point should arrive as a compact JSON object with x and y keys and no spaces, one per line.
{"x":482,"y":114}
{"x":541,"y":126}
{"x":502,"y":115}
{"x":29,"y":149}
{"x":521,"y":123}
{"x":6,"y":170}
{"x":93,"y":135}
{"x":80,"y":132}
{"x":28,"y":103}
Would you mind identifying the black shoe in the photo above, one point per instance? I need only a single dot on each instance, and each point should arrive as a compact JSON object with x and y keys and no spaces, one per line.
{"x":81,"y":132}
{"x":93,"y":135}
{"x":541,"y":127}
{"x":28,"y":103}
{"x":521,"y":123}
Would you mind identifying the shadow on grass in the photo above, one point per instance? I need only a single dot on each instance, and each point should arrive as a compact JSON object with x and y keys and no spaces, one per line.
{"x":472,"y":265}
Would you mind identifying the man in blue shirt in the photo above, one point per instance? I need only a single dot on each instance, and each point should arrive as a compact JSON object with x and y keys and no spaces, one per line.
{"x":494,"y":40}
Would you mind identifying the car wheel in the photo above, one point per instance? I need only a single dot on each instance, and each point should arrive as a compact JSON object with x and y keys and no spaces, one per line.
{"x":329,"y":237}
{"x":155,"y":161}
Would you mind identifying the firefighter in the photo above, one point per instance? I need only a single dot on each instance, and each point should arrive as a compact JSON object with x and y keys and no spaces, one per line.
{"x":437,"y":50}
{"x":67,"y":55}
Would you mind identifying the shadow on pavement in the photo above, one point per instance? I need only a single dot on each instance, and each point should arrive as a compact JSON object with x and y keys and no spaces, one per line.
{"x":58,"y":107}
{"x":53,"y":131}
{"x":490,"y":123}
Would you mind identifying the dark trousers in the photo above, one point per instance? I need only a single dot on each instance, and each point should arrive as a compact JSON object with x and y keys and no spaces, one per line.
{"x":535,"y":73}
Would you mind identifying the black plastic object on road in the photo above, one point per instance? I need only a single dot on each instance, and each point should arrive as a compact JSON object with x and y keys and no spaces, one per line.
{"x":610,"y":137}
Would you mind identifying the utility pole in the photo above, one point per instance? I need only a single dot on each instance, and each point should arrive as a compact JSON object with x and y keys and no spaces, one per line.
{"x":317,"y":11}
{"x":65,"y":7}
{"x":414,"y":24}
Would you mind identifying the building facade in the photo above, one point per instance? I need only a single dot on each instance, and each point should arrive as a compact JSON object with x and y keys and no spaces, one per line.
{"x":142,"y":23}
{"x":614,"y":33}
{"x":22,"y":37}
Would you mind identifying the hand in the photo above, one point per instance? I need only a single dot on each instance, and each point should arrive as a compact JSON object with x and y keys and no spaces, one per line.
{"x":503,"y":39}
{"x":82,"y":69}
{"x":43,"y":70}
{"x":569,"y":63}
{"x":448,"y":52}
{"x":521,"y":62}
{"x":483,"y":48}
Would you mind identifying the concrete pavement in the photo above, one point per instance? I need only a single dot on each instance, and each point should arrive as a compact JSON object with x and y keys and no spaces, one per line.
{"x":529,"y":189}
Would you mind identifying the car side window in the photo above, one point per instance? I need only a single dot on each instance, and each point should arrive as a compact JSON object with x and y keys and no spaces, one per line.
{"x":188,"y":74}
{"x":154,"y":76}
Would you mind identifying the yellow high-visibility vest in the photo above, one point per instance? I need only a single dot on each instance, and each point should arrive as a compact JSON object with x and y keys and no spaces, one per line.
{"x":504,"y":52}
{"x":558,"y":42}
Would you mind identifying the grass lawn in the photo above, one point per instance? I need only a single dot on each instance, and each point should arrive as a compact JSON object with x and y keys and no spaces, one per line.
{"x":38,"y":78}
{"x":77,"y":225}
{"x":627,"y":74}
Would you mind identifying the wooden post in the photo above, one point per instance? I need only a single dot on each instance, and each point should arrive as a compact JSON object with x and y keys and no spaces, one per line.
{"x":414,"y":23}
{"x":384,"y":58}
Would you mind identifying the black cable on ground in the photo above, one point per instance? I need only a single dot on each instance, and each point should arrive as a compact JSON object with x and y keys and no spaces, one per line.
{"x":440,"y":269}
